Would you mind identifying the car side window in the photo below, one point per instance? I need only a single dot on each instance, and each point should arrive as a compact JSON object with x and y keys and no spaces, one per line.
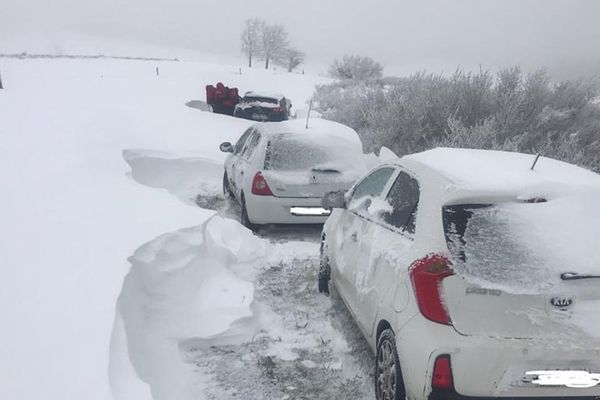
{"x":239,"y":146}
{"x":250,"y":146}
{"x":403,"y":198}
{"x":370,"y":187}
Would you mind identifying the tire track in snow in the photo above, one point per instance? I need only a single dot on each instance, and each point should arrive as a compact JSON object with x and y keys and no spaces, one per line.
{"x":317,"y":352}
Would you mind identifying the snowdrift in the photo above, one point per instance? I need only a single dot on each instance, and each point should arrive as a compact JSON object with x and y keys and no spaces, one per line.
{"x":184,"y":177}
{"x":183,"y":285}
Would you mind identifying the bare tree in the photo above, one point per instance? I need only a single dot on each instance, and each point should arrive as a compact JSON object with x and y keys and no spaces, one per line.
{"x":356,"y":67}
{"x":274,"y":42}
{"x":252,"y":38}
{"x":291,"y":58}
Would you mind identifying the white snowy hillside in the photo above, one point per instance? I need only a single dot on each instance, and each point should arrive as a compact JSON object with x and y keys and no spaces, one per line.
{"x":113,"y":278}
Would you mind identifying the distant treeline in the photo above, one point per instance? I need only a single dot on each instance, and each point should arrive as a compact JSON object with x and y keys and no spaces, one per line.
{"x":508,"y":110}
{"x":25,"y":55}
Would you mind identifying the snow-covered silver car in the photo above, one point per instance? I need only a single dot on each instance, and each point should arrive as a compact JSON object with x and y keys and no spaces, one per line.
{"x":279,"y":171}
{"x":472,"y":275}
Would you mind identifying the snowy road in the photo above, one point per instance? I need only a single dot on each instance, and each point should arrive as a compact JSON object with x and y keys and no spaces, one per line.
{"x":294,"y":343}
{"x":316,"y":353}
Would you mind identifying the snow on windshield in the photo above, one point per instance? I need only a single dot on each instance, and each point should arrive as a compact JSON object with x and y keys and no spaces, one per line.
{"x":524,"y":247}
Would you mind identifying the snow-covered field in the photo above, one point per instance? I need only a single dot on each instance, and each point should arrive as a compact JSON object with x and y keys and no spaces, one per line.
{"x":124,"y":272}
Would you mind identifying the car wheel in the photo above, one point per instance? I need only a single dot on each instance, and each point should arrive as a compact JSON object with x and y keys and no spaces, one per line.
{"x":244,"y":220}
{"x":389,"y":384}
{"x":226,"y":188}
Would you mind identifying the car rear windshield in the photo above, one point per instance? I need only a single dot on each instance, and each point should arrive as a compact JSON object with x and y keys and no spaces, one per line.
{"x":290,"y":152}
{"x":249,"y":99}
{"x":524,"y":246}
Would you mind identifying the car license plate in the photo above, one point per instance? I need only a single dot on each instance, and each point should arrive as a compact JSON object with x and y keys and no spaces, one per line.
{"x":259,"y":117}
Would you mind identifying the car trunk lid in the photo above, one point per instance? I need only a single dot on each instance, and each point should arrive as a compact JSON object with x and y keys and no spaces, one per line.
{"x":308,"y":183}
{"x":475,"y":309}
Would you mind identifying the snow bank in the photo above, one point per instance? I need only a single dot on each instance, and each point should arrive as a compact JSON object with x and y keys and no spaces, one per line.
{"x":182,"y":286}
{"x":71,"y":216}
{"x":184,"y":177}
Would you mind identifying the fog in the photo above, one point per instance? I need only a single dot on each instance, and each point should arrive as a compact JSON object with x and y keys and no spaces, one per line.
{"x":562,"y":35}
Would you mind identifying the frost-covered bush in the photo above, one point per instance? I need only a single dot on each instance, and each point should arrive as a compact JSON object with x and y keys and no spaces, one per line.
{"x":356,"y":67}
{"x":504,"y":111}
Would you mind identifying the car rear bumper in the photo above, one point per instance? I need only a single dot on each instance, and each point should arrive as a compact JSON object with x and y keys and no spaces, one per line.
{"x":284,"y":210}
{"x":489,"y":367}
{"x":260,"y":115}
{"x":438,"y":394}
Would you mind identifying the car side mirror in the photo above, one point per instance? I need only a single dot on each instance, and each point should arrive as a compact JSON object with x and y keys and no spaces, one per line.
{"x":334,"y":200}
{"x":226,"y":147}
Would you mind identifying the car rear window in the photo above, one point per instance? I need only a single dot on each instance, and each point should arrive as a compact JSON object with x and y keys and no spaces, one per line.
{"x":297,"y":152}
{"x":260,"y":100}
{"x":524,"y":246}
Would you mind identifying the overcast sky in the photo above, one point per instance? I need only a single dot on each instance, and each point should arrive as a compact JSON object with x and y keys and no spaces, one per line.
{"x":563,"y":35}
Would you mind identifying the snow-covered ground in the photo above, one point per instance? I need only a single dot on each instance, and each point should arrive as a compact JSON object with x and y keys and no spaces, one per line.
{"x":115,"y":283}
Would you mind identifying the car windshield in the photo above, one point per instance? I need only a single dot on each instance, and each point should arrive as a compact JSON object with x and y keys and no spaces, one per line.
{"x":253,"y":99}
{"x":288,"y":152}
{"x":524,"y":246}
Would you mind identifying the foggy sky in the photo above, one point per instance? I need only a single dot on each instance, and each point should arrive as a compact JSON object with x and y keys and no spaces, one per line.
{"x":563,"y":35}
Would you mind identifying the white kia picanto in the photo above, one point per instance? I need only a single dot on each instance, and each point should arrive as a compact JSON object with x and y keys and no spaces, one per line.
{"x":472,"y":274}
{"x":279,"y":171}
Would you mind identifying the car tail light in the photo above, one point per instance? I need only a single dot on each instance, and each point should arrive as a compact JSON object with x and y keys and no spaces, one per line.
{"x":260,"y":185}
{"x":427,"y":275}
{"x":278,"y":109}
{"x":442,"y":373}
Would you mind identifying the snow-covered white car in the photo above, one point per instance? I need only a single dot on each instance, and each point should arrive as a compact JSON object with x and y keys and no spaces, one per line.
{"x":472,"y":275}
{"x":279,"y":171}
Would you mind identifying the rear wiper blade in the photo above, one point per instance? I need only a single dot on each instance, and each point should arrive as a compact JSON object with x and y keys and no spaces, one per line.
{"x":568,"y":276}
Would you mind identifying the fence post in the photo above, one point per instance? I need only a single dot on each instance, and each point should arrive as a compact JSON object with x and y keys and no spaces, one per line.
{"x":1,"y":87}
{"x":308,"y":113}
{"x":156,"y":71}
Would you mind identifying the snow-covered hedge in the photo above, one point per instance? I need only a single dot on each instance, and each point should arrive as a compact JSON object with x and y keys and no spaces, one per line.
{"x":508,"y":111}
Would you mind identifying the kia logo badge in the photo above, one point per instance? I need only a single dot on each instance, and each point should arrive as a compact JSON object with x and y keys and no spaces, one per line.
{"x":561,"y":303}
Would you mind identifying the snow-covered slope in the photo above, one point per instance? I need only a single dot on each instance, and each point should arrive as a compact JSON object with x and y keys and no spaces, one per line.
{"x":71,"y":215}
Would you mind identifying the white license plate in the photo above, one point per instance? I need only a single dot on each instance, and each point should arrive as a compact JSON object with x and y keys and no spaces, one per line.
{"x":309,"y":211}
{"x":570,"y":379}
{"x":259,"y":117}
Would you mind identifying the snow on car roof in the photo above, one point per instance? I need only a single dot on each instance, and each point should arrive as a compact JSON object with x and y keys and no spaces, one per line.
{"x":271,"y":95}
{"x":499,"y":171}
{"x":316,"y":127}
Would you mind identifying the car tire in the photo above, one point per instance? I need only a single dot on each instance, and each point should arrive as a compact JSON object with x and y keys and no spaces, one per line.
{"x":226,"y":188}
{"x":389,"y":384}
{"x":244,"y":219}
{"x":324,"y":275}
